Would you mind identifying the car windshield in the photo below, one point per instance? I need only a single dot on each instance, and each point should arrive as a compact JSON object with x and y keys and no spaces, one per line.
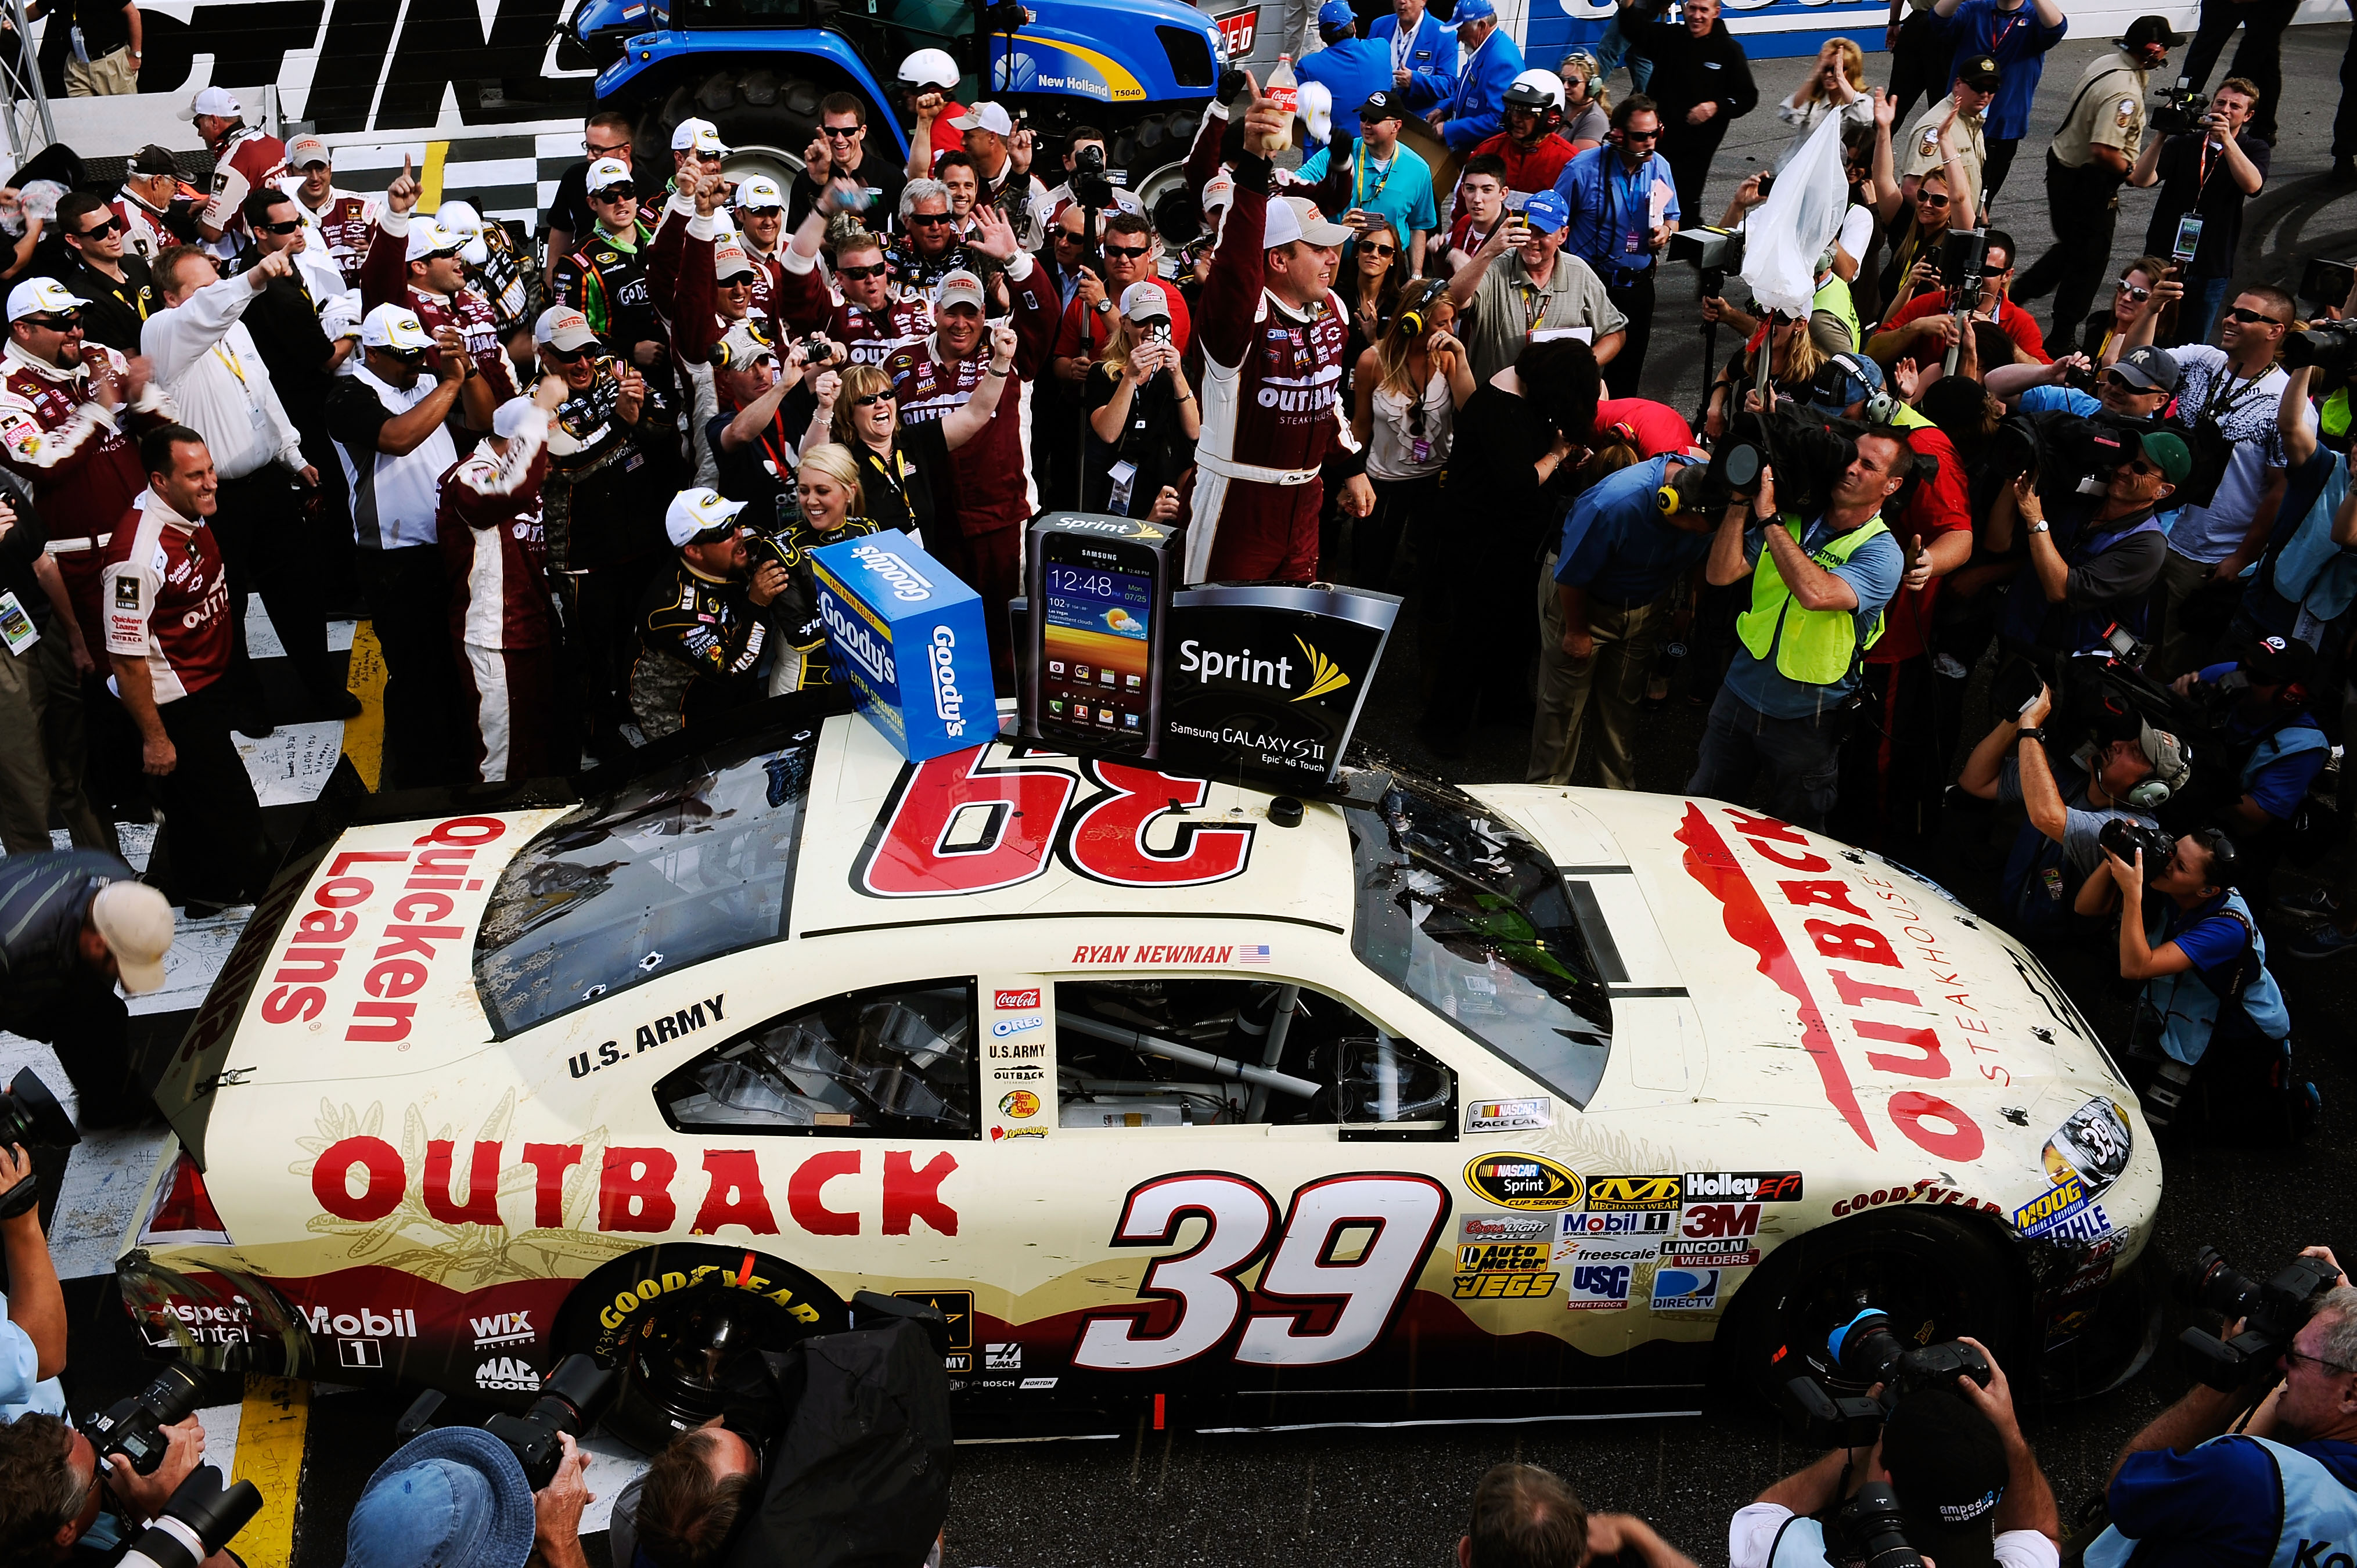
{"x":1464,"y":912}
{"x":689,"y":862}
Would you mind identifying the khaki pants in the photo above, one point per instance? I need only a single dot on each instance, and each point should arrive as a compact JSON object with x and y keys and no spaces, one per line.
{"x":1627,"y":641}
{"x":41,"y":759}
{"x":108,"y":75}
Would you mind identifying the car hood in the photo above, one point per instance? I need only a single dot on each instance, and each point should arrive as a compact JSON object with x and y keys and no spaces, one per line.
{"x":1831,"y":980}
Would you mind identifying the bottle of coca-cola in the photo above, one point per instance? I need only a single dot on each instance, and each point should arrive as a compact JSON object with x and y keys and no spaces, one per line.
{"x":1284,"y":86}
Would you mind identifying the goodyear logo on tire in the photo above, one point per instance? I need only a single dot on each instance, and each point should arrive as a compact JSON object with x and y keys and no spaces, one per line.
{"x":1524,"y":1181}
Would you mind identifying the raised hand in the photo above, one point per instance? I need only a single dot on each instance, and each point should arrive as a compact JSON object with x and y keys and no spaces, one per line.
{"x":993,"y":236}
{"x":1267,"y":128}
{"x":1002,"y":343}
{"x":403,"y":194}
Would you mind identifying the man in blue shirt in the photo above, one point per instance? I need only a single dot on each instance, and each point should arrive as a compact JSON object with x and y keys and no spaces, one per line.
{"x":1605,"y":601}
{"x":1817,"y":597}
{"x":2138,"y":387}
{"x":1611,"y":192}
{"x":33,"y":1338}
{"x":1387,"y":180}
{"x":2274,"y":747}
{"x":2016,"y":34}
{"x":1422,"y":55}
{"x":1349,"y":66}
{"x":1476,"y":109}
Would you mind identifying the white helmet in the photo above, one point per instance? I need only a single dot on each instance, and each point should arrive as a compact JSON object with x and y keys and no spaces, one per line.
{"x":1536,"y":89}
{"x":1314,"y":104}
{"x":930,"y":67}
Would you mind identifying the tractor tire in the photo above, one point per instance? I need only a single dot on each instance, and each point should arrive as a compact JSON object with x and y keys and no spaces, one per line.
{"x":766,"y":116}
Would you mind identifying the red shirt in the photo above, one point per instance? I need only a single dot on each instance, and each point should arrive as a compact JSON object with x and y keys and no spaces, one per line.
{"x":166,"y":599}
{"x":1942,"y":505}
{"x":1284,"y":364}
{"x":2011,"y":319}
{"x":243,"y":164}
{"x":804,"y":306}
{"x":345,"y":223}
{"x":1078,"y":319}
{"x":494,"y":548}
{"x":83,"y":463}
{"x":1660,"y":428}
{"x":1532,"y":170}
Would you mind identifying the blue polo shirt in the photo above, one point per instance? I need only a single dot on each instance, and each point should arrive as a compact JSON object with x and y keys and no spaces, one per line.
{"x":2017,"y":41}
{"x":1401,"y":190}
{"x":2217,"y":1505}
{"x":1611,"y":207}
{"x":21,"y":1390}
{"x":2281,"y":785}
{"x":2069,"y":400}
{"x":1616,"y":543}
{"x":1872,"y":574}
{"x":1350,"y":71}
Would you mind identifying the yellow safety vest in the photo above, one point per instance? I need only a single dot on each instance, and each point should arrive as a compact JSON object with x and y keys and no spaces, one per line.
{"x":1818,"y":646}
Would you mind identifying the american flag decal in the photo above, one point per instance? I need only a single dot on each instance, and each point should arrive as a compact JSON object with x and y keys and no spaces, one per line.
{"x":1256,"y":954}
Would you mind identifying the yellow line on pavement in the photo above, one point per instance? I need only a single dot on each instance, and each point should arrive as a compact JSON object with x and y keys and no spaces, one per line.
{"x":364,"y":736}
{"x":429,"y":178}
{"x":270,"y":1424}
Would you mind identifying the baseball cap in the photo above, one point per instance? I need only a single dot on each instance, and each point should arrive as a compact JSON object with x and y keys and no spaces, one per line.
{"x":700,"y":516}
{"x":1947,"y":1467}
{"x":2149,"y":30}
{"x":1145,"y":302}
{"x":1979,"y":72}
{"x":744,"y":345}
{"x":36,"y":296}
{"x":1842,"y":379}
{"x":214,"y":101}
{"x":2279,"y":660}
{"x":562,"y":327}
{"x":154,"y":158}
{"x":1219,"y":192}
{"x":959,"y":287}
{"x":1381,"y":107}
{"x":508,"y":421}
{"x":1336,"y":16}
{"x":991,"y":117}
{"x":390,"y":326}
{"x":1473,"y":11}
{"x":427,"y":237}
{"x":699,"y":135}
{"x":1545,"y":211}
{"x":135,"y":921}
{"x":2153,"y":368}
{"x":609,"y":171}
{"x":451,"y":1495}
{"x":2172,"y":762}
{"x":758,"y":193}
{"x":730,"y":260}
{"x":461,"y":218}
{"x":1295,"y":218}
{"x":302,"y":153}
{"x":2169,"y":454}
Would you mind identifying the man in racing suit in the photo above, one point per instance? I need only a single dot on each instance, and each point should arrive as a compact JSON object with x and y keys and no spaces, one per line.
{"x":244,"y":160}
{"x":412,"y":262}
{"x":701,"y":627}
{"x":344,"y":218}
{"x":1274,"y":333}
{"x":495,"y":555}
{"x":867,"y":319}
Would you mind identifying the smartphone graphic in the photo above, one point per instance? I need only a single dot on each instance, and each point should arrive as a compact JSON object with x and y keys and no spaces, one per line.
{"x":1099,"y":643}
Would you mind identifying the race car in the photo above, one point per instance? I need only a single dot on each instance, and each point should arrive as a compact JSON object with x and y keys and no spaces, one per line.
{"x":1180,"y":1100}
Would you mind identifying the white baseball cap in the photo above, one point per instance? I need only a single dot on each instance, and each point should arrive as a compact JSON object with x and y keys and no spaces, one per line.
{"x":702,"y":135}
{"x":758,"y":193}
{"x":461,"y":218}
{"x":562,"y":327}
{"x":390,"y":326}
{"x":1295,"y":218}
{"x":510,"y":418}
{"x":959,"y":287}
{"x":1144,"y":301}
{"x":214,"y":101}
{"x":136,"y":922}
{"x":36,"y":296}
{"x":744,"y":346}
{"x":305,"y":151}
{"x":729,"y":259}
{"x":609,"y":171}
{"x":988,"y":117}
{"x":428,"y":238}
{"x":699,"y":511}
{"x":1219,"y":192}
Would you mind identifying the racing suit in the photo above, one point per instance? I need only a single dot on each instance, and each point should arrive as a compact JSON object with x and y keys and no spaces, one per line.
{"x":806,"y":304}
{"x":685,"y":294}
{"x":1257,"y":489}
{"x":345,"y":223}
{"x":384,"y":278}
{"x":700,"y":645}
{"x":246,"y":160}
{"x":495,"y":555}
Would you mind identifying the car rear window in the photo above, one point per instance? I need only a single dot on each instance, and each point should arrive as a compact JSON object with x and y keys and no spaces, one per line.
{"x":1463,"y":912}
{"x":682,"y":864}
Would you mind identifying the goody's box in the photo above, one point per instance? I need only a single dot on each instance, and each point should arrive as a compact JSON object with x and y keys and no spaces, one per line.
{"x":908,"y":638}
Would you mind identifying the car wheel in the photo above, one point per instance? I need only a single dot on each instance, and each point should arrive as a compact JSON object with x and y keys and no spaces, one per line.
{"x":675,"y":1319}
{"x":1937,"y":1279}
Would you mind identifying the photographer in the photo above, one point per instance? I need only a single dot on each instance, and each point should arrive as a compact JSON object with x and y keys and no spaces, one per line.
{"x":2138,"y":387}
{"x":1143,"y":417}
{"x":2206,"y":983}
{"x":2274,"y":749}
{"x":59,"y":1502}
{"x":702,"y":631}
{"x":1818,"y":590}
{"x":2124,"y":761}
{"x":2204,"y":176}
{"x":1968,"y":1487}
{"x":1524,"y":1517}
{"x":2186,"y":1491}
{"x":682,"y":1512}
{"x":1924,"y":326}
{"x":457,"y":1495}
{"x":2096,"y":564}
{"x":1523,"y":287}
{"x":33,"y":1336}
{"x":73,"y":924}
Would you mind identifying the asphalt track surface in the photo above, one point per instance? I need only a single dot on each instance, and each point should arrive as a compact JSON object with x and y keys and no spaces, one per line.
{"x":1397,"y":1498}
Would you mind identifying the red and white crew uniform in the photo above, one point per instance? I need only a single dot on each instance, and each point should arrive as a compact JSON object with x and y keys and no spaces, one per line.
{"x":385,"y":279}
{"x":495,"y":555}
{"x":1272,"y":374}
{"x":166,"y":595}
{"x":244,"y":160}
{"x":806,"y":304}
{"x":344,"y":221}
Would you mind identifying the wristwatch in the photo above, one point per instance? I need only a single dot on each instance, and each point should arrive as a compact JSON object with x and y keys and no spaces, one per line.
{"x":2042,"y":526}
{"x":1104,"y":306}
{"x":2036,"y":733}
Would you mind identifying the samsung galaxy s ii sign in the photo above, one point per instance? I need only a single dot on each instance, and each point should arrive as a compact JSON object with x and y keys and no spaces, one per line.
{"x":1267,"y":682}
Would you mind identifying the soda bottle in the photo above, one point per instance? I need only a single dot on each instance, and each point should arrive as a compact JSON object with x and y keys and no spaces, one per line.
{"x":1284,"y":86}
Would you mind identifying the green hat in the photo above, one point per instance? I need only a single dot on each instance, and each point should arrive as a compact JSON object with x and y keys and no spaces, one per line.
{"x":2168,"y":451}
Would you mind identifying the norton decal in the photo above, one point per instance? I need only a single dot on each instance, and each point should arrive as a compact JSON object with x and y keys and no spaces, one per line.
{"x":1903,"y":1013}
{"x":1528,"y":1182}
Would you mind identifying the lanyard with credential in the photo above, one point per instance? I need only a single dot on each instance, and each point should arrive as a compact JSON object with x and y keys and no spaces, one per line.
{"x":1359,"y":198}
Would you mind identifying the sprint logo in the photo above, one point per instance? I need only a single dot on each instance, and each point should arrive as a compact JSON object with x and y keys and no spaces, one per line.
{"x":1209,"y":664}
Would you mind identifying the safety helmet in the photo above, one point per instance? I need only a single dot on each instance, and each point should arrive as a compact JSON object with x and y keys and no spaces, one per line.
{"x":930,"y":67}
{"x":1535,"y":89}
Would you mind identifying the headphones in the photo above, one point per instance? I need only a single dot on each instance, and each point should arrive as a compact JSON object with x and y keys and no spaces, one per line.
{"x":2225,"y":860}
{"x":2148,"y":794}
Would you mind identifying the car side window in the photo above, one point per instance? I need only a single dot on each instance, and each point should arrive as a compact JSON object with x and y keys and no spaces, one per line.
{"x":1192,"y":1052}
{"x":897,"y":1060}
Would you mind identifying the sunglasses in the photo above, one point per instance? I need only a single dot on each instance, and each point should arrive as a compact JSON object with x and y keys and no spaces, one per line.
{"x":1990,"y":271}
{"x":105,"y":226}
{"x":871,"y":399}
{"x":1640,"y":136}
{"x":740,"y":281}
{"x":405,"y":356}
{"x":1379,"y":249}
{"x":843,"y":132}
{"x":931,"y":219}
{"x":1126,"y":252}
{"x":2125,"y":287}
{"x":1069,"y":236}
{"x":69,"y":322}
{"x":2244,"y":313}
{"x":2114,"y":381}
{"x":2139,"y":466}
{"x":286,"y":227}
{"x":595,"y":151}
{"x":568,"y":356}
{"x":1925,"y":198}
{"x":612,"y":193}
{"x":861,"y":274}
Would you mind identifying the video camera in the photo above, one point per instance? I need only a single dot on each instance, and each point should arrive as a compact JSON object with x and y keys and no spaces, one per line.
{"x":31,"y":1116}
{"x":132,"y":1428}
{"x":199,"y":1517}
{"x":2180,"y":110}
{"x":2271,"y":1314}
{"x":572,"y":1397}
{"x":1090,"y":188}
{"x":2329,"y":346}
{"x":2063,"y":453}
{"x":1714,"y":252}
{"x":1808,"y":453}
{"x":1864,"y":1352}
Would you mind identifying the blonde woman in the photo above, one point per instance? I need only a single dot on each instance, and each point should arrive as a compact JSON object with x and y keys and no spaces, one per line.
{"x":1407,"y":389}
{"x":1143,"y":417}
{"x":1838,"y":86}
{"x":902,"y":467}
{"x":827,"y":485}
{"x":1793,"y":358}
{"x":1587,"y":107}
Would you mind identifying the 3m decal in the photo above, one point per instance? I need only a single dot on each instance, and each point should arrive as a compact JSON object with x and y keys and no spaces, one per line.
{"x":1528,"y":1182}
{"x":1327,"y":1307}
{"x":1720,"y":1221}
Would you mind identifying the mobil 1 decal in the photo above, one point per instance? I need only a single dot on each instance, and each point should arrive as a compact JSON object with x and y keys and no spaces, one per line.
{"x":1264,"y":683}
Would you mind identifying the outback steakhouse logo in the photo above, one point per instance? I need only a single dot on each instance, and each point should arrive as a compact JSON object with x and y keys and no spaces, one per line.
{"x":1524,"y":1181}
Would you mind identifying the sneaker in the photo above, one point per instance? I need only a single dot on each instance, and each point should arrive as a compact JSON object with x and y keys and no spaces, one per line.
{"x":2324,"y":941}
{"x":2313,"y":903}
{"x":1947,"y":664}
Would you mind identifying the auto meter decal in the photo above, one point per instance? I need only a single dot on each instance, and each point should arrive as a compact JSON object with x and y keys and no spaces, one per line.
{"x":1873,"y":993}
{"x":1529,"y":1182}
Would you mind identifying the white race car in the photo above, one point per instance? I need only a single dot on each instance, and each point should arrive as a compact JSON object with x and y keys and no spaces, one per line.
{"x":1421,"y":1104}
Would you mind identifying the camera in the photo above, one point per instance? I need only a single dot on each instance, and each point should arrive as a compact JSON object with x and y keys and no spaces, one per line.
{"x":199,"y":1517}
{"x":818,"y":351}
{"x":2326,"y":281}
{"x":1863,"y":1352}
{"x":1868,"y":1529}
{"x":132,"y":1428}
{"x":1714,"y":252}
{"x":1808,"y":452}
{"x":2329,"y":346}
{"x":2180,"y":110}
{"x":31,"y":1116}
{"x":1962,"y":252}
{"x":2126,"y":839}
{"x":2271,"y":1313}
{"x":2064,"y":452}
{"x":572,"y":1397}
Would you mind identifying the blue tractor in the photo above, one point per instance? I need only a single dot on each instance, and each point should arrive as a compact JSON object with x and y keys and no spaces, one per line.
{"x":1140,"y":71}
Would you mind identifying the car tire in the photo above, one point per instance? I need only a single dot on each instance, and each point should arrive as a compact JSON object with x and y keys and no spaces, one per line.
{"x":1936,"y":1277}
{"x":671,"y":1318}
